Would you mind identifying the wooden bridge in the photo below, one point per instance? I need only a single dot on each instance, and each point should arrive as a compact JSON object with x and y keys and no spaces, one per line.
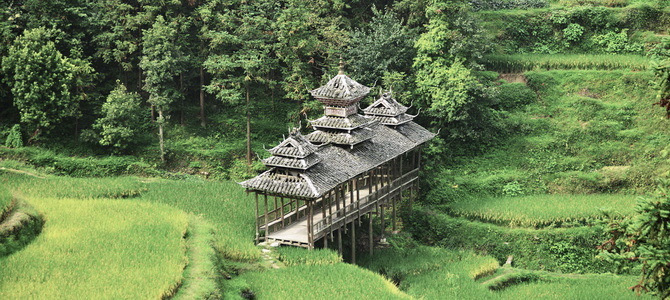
{"x":350,"y":167}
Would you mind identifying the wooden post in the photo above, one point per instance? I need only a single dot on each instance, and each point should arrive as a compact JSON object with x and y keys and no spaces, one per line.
{"x":358,"y":198}
{"x":370,"y":182}
{"x":276,"y":214}
{"x":257,"y":216}
{"x":371,"y":233}
{"x":267,"y":230}
{"x":339,"y":240}
{"x":310,"y":222}
{"x":394,"y":214}
{"x":353,"y":242}
{"x":330,"y":213}
{"x":382,"y":219}
{"x":337,"y":200}
{"x":282,"y":212}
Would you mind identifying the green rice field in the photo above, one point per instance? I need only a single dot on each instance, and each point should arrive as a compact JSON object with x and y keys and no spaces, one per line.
{"x":90,"y":248}
{"x":544,"y":210}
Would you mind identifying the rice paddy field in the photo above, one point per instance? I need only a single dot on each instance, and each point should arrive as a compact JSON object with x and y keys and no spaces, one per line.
{"x":331,"y":281}
{"x":90,"y":248}
{"x":526,"y":62}
{"x":545,"y":210}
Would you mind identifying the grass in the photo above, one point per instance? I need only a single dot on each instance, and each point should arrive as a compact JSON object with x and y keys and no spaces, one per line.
{"x":200,"y":275}
{"x":332,"y":281}
{"x":293,"y":256}
{"x":513,"y":63}
{"x":544,"y":210}
{"x":5,"y":202}
{"x":94,"y":248}
{"x":436,"y":273}
{"x":603,"y":286}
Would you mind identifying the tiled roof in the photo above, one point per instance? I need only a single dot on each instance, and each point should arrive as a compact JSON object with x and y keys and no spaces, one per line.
{"x":294,"y":146}
{"x":341,"y":138}
{"x":395,"y":120}
{"x":338,"y":165}
{"x":347,"y":123}
{"x":341,"y":87}
{"x":386,"y":105}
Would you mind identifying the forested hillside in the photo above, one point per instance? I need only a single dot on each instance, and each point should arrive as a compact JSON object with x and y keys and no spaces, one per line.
{"x":125,"y":125}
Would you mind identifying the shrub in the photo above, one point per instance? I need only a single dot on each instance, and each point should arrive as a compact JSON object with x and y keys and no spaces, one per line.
{"x":14,"y":137}
{"x":514,"y":95}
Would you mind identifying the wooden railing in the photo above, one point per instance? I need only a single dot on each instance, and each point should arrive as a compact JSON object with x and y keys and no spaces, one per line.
{"x":364,"y":205}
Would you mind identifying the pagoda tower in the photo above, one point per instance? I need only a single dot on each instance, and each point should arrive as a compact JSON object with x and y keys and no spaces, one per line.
{"x":341,"y":124}
{"x":388,"y":111}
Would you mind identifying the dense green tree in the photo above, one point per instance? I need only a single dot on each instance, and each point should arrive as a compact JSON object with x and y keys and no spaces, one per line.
{"x":121,"y":118}
{"x":161,"y":60}
{"x":242,"y":53}
{"x":446,"y":87}
{"x":310,"y":39}
{"x":46,"y":85}
{"x":383,"y":45}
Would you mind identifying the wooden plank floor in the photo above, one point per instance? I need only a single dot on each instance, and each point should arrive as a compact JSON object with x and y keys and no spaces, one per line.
{"x":297,"y":232}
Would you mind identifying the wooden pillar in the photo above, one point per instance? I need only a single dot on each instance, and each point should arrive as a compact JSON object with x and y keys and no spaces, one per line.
{"x":323,"y":206}
{"x":276,"y":214}
{"x":257,"y":216}
{"x":339,"y":240}
{"x":372,"y":241}
{"x":353,"y":242}
{"x":282,"y":212}
{"x":382,"y":219}
{"x":370,"y":182}
{"x":351,"y":191}
{"x":330,"y":213}
{"x":337,"y":200}
{"x":267,"y":230}
{"x":310,"y":222}
{"x":394,"y":213}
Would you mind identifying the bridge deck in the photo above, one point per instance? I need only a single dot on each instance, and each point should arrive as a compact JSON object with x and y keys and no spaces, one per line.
{"x":297,"y":233}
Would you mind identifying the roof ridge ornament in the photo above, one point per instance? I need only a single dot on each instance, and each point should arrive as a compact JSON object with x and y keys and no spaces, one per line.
{"x":341,"y":71}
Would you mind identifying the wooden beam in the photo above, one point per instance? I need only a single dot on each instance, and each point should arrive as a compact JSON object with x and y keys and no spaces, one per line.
{"x":337,"y":200}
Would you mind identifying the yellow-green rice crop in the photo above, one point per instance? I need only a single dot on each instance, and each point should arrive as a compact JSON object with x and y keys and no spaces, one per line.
{"x":544,"y":210}
{"x":98,"y":249}
{"x":526,"y":62}
{"x":293,"y":256}
{"x":224,"y":204}
{"x":67,"y":187}
{"x":336,"y":281}
{"x":587,"y":287}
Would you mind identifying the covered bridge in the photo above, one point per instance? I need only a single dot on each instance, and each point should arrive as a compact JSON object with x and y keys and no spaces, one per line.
{"x":349,"y":166}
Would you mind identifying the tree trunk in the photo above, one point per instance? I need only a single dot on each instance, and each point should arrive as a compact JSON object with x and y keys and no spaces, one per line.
{"x":203,"y":122}
{"x":248,"y":128}
{"x":181,"y":89}
{"x":161,"y":121}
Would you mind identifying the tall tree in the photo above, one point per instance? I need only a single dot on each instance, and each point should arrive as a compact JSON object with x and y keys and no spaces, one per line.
{"x":310,"y":39}
{"x":161,"y":58}
{"x":383,"y":45}
{"x":447,"y":88}
{"x":242,"y":53}
{"x":46,"y":85}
